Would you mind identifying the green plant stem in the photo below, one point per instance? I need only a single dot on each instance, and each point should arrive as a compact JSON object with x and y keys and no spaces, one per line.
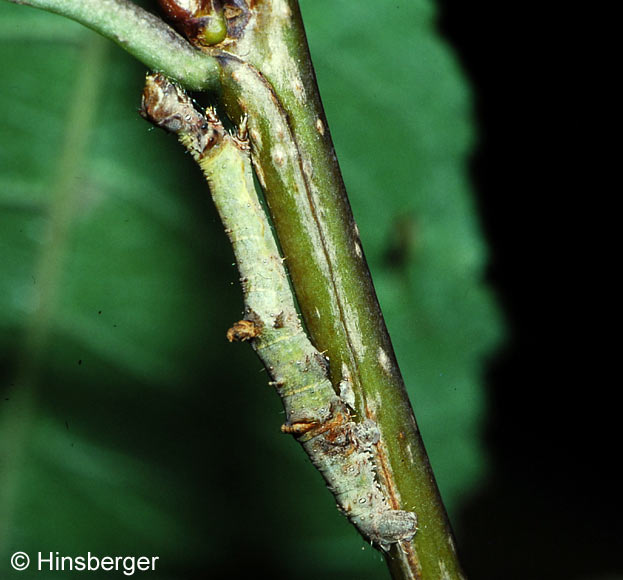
{"x":296,"y":162}
{"x":143,"y":35}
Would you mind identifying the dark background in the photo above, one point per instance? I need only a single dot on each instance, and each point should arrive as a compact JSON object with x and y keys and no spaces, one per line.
{"x":551,"y":508}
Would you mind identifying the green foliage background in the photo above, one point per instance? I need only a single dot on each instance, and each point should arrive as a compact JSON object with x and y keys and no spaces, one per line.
{"x":128,"y":425}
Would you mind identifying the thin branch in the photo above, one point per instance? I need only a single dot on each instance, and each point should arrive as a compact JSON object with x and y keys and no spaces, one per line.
{"x":143,"y":35}
{"x":272,"y":80}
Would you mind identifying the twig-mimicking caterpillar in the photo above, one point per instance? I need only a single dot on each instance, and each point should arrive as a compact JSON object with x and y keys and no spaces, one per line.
{"x":316,"y":415}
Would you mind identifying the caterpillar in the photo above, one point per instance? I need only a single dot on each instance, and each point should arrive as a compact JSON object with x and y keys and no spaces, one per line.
{"x":316,"y":415}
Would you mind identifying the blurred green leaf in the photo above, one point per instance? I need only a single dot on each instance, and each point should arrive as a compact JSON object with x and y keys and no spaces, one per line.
{"x":128,"y":425}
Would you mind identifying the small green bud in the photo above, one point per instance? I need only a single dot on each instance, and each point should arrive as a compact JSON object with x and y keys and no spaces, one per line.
{"x":202,"y":21}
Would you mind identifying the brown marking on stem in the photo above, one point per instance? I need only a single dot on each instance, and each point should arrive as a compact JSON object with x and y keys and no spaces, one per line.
{"x":175,"y":12}
{"x":385,"y":474}
{"x":241,"y":137}
{"x":232,"y":11}
{"x":383,"y":467}
{"x":298,"y":428}
{"x":243,"y":330}
{"x":279,"y":320}
{"x":237,"y":15}
{"x":323,"y":361}
{"x":411,"y":555}
{"x":335,"y":430}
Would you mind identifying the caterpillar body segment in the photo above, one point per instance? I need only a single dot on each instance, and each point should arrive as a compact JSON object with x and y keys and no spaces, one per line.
{"x":320,"y":418}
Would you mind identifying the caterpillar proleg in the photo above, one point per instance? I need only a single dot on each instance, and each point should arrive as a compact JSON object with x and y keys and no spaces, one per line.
{"x":316,"y":415}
